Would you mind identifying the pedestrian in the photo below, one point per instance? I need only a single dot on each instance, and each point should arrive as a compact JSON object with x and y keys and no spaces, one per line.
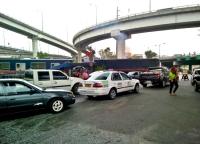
{"x":173,"y":79}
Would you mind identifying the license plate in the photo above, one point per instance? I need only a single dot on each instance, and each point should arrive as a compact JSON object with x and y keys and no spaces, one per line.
{"x":87,"y":85}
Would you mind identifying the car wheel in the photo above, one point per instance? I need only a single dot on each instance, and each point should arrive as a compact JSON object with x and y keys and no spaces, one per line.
{"x":112,"y":94}
{"x":196,"y":87}
{"x":144,"y":85}
{"x":163,"y":84}
{"x":90,"y":97}
{"x":137,"y":88}
{"x":56,"y":105}
{"x":75,"y":89}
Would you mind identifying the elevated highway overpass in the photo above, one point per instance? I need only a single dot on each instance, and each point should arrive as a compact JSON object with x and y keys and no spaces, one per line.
{"x":121,"y":29}
{"x":34,"y":34}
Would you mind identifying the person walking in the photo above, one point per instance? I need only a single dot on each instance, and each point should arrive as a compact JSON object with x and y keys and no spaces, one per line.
{"x":173,"y":79}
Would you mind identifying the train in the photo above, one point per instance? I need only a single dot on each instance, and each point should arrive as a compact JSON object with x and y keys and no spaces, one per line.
{"x":12,"y":65}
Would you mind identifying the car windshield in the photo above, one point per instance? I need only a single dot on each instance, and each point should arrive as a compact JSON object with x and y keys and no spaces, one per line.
{"x":102,"y":76}
{"x":197,"y":72}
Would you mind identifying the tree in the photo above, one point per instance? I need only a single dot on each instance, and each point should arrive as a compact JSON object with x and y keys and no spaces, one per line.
{"x":106,"y":54}
{"x":150,"y":54}
{"x":42,"y":55}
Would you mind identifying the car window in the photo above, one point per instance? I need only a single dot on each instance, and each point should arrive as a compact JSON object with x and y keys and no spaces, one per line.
{"x":103,"y":76}
{"x":197,"y":72}
{"x":116,"y":77}
{"x":28,"y":75}
{"x":124,"y":76}
{"x":15,"y":88}
{"x":59,"y":76}
{"x":2,"y":92}
{"x":43,"y":76}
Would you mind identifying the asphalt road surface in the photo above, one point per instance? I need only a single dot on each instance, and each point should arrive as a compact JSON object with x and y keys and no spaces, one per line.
{"x":151,"y":117}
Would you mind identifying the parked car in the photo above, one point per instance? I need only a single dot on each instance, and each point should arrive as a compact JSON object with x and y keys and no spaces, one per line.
{"x":52,"y":79}
{"x":20,"y":95}
{"x":196,"y":79}
{"x":134,"y":74}
{"x":108,"y":83}
{"x":155,"y":76}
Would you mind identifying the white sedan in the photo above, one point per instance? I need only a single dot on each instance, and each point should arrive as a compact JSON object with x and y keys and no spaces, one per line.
{"x":108,"y":83}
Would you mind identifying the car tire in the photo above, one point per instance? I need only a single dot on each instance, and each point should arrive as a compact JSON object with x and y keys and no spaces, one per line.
{"x":163,"y":83}
{"x":75,"y":89}
{"x":56,"y":105}
{"x":112,"y":94}
{"x":137,"y":88}
{"x":196,"y":87}
{"x":144,"y":85}
{"x":90,"y":97}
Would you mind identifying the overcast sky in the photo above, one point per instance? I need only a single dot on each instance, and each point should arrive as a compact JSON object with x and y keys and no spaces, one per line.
{"x":64,"y":18}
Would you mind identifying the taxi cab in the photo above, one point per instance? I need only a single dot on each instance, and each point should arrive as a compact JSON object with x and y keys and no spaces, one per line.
{"x":108,"y":83}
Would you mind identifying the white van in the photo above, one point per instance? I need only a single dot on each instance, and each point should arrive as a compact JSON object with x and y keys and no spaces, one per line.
{"x":52,"y":79}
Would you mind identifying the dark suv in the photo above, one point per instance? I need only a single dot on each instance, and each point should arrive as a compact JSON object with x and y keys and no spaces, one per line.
{"x":19,"y":95}
{"x":155,"y":76}
{"x":196,"y":79}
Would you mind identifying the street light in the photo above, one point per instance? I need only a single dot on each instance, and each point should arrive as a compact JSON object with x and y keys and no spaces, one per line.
{"x":149,"y":5}
{"x":159,"y":48}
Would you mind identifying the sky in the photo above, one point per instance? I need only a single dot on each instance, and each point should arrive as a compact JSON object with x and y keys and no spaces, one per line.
{"x":64,"y":18}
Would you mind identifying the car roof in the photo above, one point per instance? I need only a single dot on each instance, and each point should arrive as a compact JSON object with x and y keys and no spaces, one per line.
{"x":19,"y":80}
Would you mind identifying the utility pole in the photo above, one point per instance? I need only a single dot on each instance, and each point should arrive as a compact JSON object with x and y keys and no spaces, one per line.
{"x":42,"y":20}
{"x":117,"y":12}
{"x":149,"y":5}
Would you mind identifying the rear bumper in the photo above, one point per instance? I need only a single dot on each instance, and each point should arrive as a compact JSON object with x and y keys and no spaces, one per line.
{"x":152,"y":81}
{"x":93,"y":92}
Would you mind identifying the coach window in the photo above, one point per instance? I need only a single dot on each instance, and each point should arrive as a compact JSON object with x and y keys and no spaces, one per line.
{"x":38,"y":65}
{"x":59,"y":76}
{"x":43,"y":76}
{"x":4,"y":66}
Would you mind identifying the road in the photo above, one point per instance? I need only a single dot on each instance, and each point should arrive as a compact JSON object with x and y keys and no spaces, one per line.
{"x":151,"y":117}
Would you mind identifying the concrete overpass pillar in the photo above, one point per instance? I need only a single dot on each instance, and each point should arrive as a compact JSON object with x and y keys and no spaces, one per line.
{"x":79,"y":58}
{"x":35,"y":46}
{"x":120,"y":43}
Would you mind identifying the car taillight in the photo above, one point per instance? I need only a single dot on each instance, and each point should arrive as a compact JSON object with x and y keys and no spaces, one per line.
{"x":158,"y":75}
{"x":97,"y":85}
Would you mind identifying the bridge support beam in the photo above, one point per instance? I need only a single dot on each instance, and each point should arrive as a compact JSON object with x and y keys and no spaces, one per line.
{"x":77,"y":58}
{"x":35,"y":46}
{"x":120,"y":43}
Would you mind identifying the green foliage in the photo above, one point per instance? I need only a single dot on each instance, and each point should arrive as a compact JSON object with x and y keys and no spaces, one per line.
{"x":98,"y":68}
{"x":150,"y":54}
{"x":107,"y":54}
{"x":42,"y":55}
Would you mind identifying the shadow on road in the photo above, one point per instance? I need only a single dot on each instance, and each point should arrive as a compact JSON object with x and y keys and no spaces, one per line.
{"x":26,"y":114}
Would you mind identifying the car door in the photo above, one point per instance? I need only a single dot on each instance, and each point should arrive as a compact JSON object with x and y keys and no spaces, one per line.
{"x":43,"y":79}
{"x":116,"y":81}
{"x":60,"y":80}
{"x":3,"y":105}
{"x":21,"y":97}
{"x":126,"y":82}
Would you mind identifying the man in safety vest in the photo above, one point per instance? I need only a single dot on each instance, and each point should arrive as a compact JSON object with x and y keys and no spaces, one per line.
{"x":173,"y":78}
